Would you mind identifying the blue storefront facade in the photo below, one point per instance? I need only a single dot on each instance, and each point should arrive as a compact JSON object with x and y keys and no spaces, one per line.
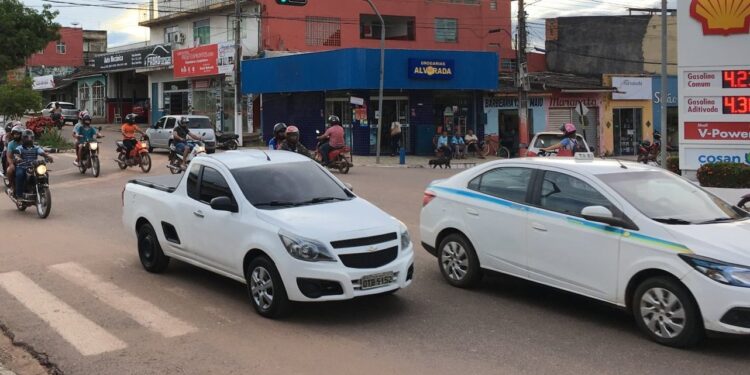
{"x":424,"y":91}
{"x":672,"y":108}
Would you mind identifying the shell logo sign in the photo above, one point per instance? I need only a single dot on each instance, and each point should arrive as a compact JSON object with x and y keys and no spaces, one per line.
{"x":722,"y":17}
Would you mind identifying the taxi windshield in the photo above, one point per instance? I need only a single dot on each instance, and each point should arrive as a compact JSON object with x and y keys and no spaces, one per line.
{"x":669,"y":199}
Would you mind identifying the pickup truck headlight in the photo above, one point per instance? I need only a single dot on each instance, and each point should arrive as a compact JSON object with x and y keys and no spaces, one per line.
{"x":725,"y":273}
{"x":305,"y":249}
{"x":405,"y":239}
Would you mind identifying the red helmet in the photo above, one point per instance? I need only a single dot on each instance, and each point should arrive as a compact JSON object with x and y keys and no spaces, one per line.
{"x":292,"y":129}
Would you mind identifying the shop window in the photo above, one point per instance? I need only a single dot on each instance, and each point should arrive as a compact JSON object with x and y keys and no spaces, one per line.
{"x":446,"y":30}
{"x":323,"y":31}
{"x":60,"y":48}
{"x":201,"y":32}
{"x":397,"y":27}
{"x":508,"y":65}
{"x":97,"y":99}
{"x":83,"y":96}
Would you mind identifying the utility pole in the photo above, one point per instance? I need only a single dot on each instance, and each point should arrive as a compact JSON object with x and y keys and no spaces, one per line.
{"x":237,"y":60}
{"x":523,"y":100}
{"x":382,"y":73}
{"x":664,"y":87}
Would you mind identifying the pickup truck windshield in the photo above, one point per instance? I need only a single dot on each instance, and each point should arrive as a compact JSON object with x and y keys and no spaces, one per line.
{"x":200,"y":123}
{"x":669,"y":199}
{"x":288,"y":185}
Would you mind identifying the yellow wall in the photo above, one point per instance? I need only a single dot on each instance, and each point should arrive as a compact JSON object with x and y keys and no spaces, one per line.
{"x":652,"y":45}
{"x":647,"y":128}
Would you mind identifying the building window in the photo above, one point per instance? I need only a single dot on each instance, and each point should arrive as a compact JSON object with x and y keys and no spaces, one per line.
{"x":493,"y":4}
{"x":83,"y":96}
{"x":508,"y":64}
{"x":97,"y":98}
{"x":323,"y":31}
{"x":60,"y":48}
{"x":446,"y":30}
{"x":171,"y":34}
{"x":396,"y":27}
{"x":201,"y":32}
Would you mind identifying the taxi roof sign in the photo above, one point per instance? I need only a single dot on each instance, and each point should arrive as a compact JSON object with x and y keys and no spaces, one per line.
{"x":584,"y":156}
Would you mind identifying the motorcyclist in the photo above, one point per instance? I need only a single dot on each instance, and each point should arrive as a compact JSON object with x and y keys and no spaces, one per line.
{"x":180,"y":136}
{"x":86,"y":133}
{"x":26,"y":153}
{"x":332,"y":139}
{"x":77,"y":127}
{"x":291,"y":142}
{"x":279,"y":132}
{"x":568,"y":145}
{"x":128,"y":130}
{"x":14,"y":141}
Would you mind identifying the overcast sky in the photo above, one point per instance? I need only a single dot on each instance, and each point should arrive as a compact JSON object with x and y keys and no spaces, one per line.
{"x":122,"y":24}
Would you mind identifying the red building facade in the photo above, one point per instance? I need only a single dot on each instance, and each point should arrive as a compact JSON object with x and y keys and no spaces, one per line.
{"x":65,"y":52}
{"x":463,"y":25}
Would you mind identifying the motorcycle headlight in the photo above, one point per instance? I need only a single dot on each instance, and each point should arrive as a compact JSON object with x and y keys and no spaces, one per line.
{"x":94,"y":146}
{"x":305,"y":249}
{"x":725,"y":273}
{"x":41,"y":169}
{"x":144,"y":144}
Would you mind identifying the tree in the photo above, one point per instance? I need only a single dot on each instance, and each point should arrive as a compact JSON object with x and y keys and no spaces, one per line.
{"x":18,"y":97}
{"x":24,"y":32}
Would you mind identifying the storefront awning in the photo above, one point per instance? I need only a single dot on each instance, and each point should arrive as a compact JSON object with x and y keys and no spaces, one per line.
{"x":359,"y":68}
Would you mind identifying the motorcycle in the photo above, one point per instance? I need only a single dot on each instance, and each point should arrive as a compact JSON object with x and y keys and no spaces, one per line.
{"x":339,"y":159}
{"x":37,"y":190}
{"x":648,"y":153}
{"x":227,"y":141}
{"x":90,"y":158}
{"x":138,"y":156}
{"x":175,"y":159}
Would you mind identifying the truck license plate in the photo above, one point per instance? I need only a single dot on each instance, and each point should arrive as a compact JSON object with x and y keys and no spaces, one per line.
{"x":376,"y":281}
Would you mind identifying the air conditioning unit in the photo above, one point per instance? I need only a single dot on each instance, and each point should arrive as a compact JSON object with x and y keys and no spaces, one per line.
{"x":180,"y":38}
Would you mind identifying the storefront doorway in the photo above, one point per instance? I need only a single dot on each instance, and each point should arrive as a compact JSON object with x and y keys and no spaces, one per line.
{"x":627,"y":130}
{"x":395,"y":109}
{"x":175,"y":98}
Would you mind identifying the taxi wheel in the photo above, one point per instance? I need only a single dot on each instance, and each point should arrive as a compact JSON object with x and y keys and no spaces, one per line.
{"x":458,"y":261}
{"x":666,"y":312}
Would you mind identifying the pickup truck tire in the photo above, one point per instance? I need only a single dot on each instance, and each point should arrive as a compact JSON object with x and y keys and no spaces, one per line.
{"x":149,"y":251}
{"x":269,"y":300}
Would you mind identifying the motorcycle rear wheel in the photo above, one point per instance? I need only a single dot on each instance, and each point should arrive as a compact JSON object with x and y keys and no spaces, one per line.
{"x":146,"y":163}
{"x":44,"y":203}
{"x":343,"y":165}
{"x":232,"y":145}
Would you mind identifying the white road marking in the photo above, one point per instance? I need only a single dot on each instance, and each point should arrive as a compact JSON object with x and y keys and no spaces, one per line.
{"x":86,"y":336}
{"x":143,"y":312}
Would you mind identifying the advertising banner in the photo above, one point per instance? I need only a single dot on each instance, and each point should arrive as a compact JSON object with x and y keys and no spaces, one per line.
{"x":226,"y":57}
{"x":149,"y":57}
{"x":431,"y":69}
{"x":717,"y":131}
{"x":696,"y":157}
{"x":632,"y":88}
{"x":196,"y":62}
{"x":43,"y":83}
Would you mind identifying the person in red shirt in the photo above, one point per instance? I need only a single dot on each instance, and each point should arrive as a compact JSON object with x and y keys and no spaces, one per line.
{"x":332,"y":139}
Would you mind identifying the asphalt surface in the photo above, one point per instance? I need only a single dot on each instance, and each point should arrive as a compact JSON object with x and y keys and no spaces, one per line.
{"x":204,"y":324}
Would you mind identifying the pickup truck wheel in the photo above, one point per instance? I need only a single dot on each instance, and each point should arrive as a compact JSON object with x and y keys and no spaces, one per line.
{"x":266,"y":290}
{"x":149,"y":250}
{"x":458,"y":261}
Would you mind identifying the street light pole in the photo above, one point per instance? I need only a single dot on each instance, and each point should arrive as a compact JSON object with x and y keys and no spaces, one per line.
{"x":664,"y":93}
{"x":382,"y":73}
{"x":237,"y":77}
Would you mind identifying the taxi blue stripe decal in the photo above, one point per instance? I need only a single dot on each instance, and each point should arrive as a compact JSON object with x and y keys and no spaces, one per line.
{"x":573,"y":220}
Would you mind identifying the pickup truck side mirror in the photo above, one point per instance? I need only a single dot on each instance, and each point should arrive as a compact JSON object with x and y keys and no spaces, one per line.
{"x":349,"y":186}
{"x":224,"y":204}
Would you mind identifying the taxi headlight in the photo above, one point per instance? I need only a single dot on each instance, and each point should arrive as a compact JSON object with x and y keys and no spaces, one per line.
{"x":94,"y":146}
{"x":725,"y":273}
{"x":41,"y":169}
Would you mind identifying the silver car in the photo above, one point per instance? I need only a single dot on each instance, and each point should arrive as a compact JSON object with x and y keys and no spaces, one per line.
{"x":69,"y":111}
{"x":160,"y":134}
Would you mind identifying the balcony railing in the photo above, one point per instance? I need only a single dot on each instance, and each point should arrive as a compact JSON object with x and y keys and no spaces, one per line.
{"x":169,"y":9}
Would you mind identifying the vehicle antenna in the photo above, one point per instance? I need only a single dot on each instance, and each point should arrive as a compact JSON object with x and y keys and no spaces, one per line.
{"x":621,"y":165}
{"x":268,"y":158}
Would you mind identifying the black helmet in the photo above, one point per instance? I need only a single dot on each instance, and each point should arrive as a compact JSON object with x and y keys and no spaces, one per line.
{"x":86,"y":120}
{"x":657,"y":135}
{"x":27,"y":137}
{"x":130,"y":119}
{"x":184,"y":121}
{"x":646,"y":143}
{"x":279,"y":128}
{"x":334,"y":120}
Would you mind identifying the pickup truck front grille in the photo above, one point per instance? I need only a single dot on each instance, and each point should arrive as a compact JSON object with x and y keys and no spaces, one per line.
{"x":364,"y":241}
{"x":373,"y":259}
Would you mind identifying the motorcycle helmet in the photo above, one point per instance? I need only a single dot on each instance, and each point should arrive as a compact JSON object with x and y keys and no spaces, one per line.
{"x":86,"y":120}
{"x":657,"y":135}
{"x":334,"y":120}
{"x":130,"y":118}
{"x":17,"y":129}
{"x":646,"y":143}
{"x":83,"y":114}
{"x":27,"y":138}
{"x":184,"y":122}
{"x":568,"y":128}
{"x":279,"y":128}
{"x":292,"y":132}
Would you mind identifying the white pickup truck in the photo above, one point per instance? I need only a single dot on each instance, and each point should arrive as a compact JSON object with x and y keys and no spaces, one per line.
{"x":275,"y":221}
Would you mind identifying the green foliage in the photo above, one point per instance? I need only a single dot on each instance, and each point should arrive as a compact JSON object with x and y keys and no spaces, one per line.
{"x":725,"y":175}
{"x":52,"y":138}
{"x":16,"y":98}
{"x":673,"y":164}
{"x":24,"y":31}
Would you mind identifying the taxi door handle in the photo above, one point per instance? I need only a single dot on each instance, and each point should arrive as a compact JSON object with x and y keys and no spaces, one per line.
{"x":472,"y":212}
{"x":539,"y":227}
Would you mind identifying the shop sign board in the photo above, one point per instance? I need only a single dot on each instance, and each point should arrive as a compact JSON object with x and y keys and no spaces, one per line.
{"x":196,"y":62}
{"x":431,"y":69}
{"x":148,"y":57}
{"x":43,"y":83}
{"x":226,"y":57}
{"x":632,"y":88}
{"x":714,"y":82}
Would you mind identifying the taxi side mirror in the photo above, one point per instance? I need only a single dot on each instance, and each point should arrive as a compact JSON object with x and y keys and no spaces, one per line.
{"x":601,"y":214}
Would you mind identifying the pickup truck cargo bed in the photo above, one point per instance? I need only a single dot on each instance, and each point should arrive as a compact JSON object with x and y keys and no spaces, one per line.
{"x":167,"y":183}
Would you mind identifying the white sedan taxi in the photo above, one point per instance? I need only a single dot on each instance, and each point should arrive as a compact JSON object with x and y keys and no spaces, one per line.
{"x":628,"y":234}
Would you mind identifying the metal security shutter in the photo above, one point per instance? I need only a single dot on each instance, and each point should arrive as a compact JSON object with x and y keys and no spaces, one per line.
{"x":590,"y":131}
{"x":558,"y":117}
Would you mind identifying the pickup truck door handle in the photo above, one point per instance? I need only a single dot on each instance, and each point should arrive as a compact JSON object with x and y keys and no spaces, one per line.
{"x":539,"y":227}
{"x":199,"y":214}
{"x":472,"y":212}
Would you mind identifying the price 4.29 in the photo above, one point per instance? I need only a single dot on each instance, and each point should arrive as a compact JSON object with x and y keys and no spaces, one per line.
{"x":736,"y":105}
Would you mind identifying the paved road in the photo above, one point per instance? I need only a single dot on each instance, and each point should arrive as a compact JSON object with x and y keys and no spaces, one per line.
{"x":72,"y":287}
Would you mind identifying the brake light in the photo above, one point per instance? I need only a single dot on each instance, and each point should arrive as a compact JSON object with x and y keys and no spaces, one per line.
{"x":427,"y":198}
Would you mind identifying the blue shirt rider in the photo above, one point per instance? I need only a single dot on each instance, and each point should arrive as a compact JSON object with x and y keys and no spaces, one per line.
{"x":279,"y":133}
{"x":27,"y":153}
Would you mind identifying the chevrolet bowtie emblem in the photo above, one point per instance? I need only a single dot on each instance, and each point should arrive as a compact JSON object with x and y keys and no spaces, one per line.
{"x":372,"y":248}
